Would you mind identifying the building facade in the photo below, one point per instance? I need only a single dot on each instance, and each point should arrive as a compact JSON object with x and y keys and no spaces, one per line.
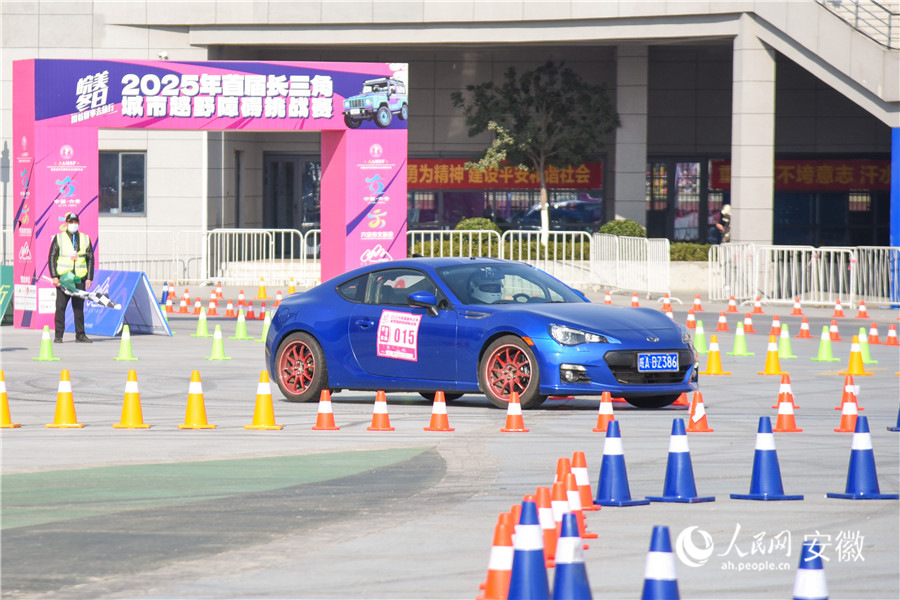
{"x":764,"y":105}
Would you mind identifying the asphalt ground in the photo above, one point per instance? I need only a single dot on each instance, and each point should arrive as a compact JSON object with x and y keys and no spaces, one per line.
{"x":99,"y":512}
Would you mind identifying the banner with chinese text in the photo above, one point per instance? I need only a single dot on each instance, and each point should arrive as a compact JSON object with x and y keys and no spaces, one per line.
{"x":809,"y":175}
{"x":433,"y":174}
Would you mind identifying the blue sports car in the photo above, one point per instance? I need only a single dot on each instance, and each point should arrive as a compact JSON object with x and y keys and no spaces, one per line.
{"x":464,"y":325}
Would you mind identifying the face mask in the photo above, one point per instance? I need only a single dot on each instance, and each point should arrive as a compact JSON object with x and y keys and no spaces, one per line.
{"x":72,"y":227}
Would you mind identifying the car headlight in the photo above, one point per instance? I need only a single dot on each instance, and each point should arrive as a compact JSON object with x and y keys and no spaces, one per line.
{"x":568,"y":336}
{"x":346,"y":104}
{"x":685,"y":336}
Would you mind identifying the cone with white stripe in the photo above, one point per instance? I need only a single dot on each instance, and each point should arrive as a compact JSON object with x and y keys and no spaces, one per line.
{"x":691,"y":322}
{"x":864,"y":348}
{"x":775,"y":329}
{"x":165,"y":293}
{"x":132,"y":416}
{"x":514,"y":420}
{"x":496,"y":586}
{"x":439,"y":420}
{"x":570,"y":579}
{"x":798,"y":310}
{"x":700,"y":339}
{"x":325,"y":414}
{"x":834,"y":332}
{"x":261,"y":294}
{"x":862,"y":479}
{"x":892,"y":336}
{"x":855,"y":366}
{"x":825,"y":353}
{"x":849,"y":416}
{"x":65,"y":404}
{"x":264,"y":413}
{"x":748,"y":324}
{"x":5,"y":418}
{"x":240,"y":328}
{"x":773,"y":365}
{"x":723,"y":323}
{"x":634,"y":301}
{"x":573,"y":495}
{"x":548,"y":524}
{"x":838,"y":310}
{"x":529,"y":573}
{"x":660,"y":579}
{"x":195,"y":415}
{"x":583,"y":479}
{"x":786,"y":422}
{"x":612,"y":489}
{"x":605,"y":413}
{"x":757,"y":306}
{"x":861,"y":313}
{"x":740,"y":343}
{"x":218,"y":348}
{"x":292,"y":287}
{"x":697,"y":421}
{"x":849,"y":393}
{"x":809,"y":583}
{"x":765,"y":481}
{"x":607,"y":298}
{"x":714,"y":360}
{"x":679,"y":485}
{"x":46,"y":351}
{"x":804,"y":330}
{"x":785,"y":393}
{"x":732,"y":305}
{"x":381,"y":421}
{"x":125,"y":345}
{"x":873,"y":334}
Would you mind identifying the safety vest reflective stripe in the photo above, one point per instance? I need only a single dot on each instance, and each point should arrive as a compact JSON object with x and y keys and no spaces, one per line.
{"x":64,"y":262}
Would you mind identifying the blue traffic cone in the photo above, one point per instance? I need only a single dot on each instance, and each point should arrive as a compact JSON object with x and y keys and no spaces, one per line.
{"x":897,"y":428}
{"x":613,"y":490}
{"x":528,"y":580}
{"x":765,"y":482}
{"x":809,"y":584}
{"x":679,"y":485}
{"x":862,"y":480}
{"x":570,"y":581}
{"x":660,"y":581}
{"x":165,"y":294}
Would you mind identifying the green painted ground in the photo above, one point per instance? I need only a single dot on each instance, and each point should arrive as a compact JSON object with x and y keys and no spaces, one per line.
{"x":29,"y":499}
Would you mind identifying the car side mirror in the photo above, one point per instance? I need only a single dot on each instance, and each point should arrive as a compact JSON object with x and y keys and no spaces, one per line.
{"x":424,"y":299}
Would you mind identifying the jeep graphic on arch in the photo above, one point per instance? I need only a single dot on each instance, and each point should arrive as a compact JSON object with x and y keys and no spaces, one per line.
{"x":380,"y":99}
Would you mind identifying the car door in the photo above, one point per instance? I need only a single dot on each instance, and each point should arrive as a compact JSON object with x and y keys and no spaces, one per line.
{"x":389,"y":338}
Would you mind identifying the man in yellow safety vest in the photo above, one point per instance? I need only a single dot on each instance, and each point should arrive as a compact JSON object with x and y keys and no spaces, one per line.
{"x":71,"y":257}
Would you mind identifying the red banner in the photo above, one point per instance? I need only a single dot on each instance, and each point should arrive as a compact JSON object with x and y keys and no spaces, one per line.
{"x":441,"y":174}
{"x":808,"y":175}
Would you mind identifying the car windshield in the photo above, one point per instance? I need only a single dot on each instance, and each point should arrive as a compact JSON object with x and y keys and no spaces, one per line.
{"x":501,"y":283}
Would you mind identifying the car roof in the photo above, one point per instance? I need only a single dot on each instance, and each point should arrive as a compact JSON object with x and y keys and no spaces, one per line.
{"x":380,"y":80}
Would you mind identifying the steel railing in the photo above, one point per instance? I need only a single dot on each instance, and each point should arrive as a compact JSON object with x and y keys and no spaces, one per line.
{"x":875,"y":20}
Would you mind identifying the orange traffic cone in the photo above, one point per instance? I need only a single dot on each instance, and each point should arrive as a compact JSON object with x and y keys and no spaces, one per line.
{"x":5,"y":418}
{"x":776,"y":326}
{"x":804,"y":330}
{"x":514,"y":420}
{"x":582,"y":478}
{"x":786,"y":422}
{"x":195,"y":415}
{"x":892,"y":336}
{"x":278,"y":298}
{"x":211,"y":309}
{"x":691,"y":319}
{"x":785,"y":394}
{"x":748,"y":324}
{"x":634,"y":301}
{"x":849,"y":412}
{"x":773,"y":365}
{"x":380,"y":419}
{"x":219,"y":291}
{"x":698,"y":307}
{"x":261,"y":295}
{"x":682,"y":400}
{"x":170,"y":308}
{"x":563,"y":468}
{"x":183,"y":307}
{"x":573,"y":495}
{"x":798,"y":310}
{"x":757,"y":306}
{"x":855,"y":366}
{"x":666,"y":304}
{"x":607,"y":299}
{"x":264,"y":413}
{"x":605,"y":413}
{"x":838,"y":310}
{"x":697,"y":420}
{"x":873,"y":334}
{"x":548,"y":524}
{"x":439,"y":420}
{"x":65,"y":404}
{"x":833,"y":332}
{"x":849,"y":394}
{"x":723,"y":323}
{"x":325,"y":415}
{"x":198,"y":306}
{"x":250,"y":313}
{"x":732,"y":305}
{"x":262,"y":311}
{"x":861,"y":313}
{"x":229,"y":310}
{"x":714,"y":360}
{"x":500,"y":562}
{"x":132,"y":416}
{"x":241,"y":299}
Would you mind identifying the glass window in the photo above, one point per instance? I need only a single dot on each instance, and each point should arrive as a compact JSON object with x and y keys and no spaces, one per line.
{"x":355,"y":289}
{"x":392,"y":286}
{"x":502,"y":283}
{"x":122,"y":183}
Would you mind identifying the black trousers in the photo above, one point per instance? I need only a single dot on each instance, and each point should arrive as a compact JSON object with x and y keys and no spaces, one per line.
{"x":62,"y":299}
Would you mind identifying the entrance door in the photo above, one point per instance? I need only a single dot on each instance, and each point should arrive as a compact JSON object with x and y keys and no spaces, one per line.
{"x":291,"y":188}
{"x":677,"y":200}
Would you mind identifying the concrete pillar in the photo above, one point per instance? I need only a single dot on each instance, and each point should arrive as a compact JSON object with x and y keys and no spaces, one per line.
{"x":752,"y":137}
{"x":630,"y":164}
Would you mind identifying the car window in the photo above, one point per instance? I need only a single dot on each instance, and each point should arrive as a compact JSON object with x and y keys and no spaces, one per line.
{"x":392,"y":286}
{"x":504,"y":283}
{"x":355,"y":289}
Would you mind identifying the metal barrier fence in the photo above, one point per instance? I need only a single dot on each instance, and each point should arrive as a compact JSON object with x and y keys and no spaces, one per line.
{"x":567,"y":255}
{"x":631,"y":263}
{"x":781,"y":274}
{"x":435,"y":243}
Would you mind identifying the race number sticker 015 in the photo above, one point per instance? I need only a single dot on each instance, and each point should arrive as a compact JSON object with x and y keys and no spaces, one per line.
{"x":398,"y":335}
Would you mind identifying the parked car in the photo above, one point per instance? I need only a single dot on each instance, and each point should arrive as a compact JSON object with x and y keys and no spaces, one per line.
{"x":463,"y":326}
{"x":379,"y":100}
{"x":565,"y":215}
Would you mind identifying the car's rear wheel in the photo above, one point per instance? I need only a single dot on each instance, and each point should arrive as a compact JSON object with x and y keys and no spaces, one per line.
{"x":383,"y":116}
{"x":404,"y":112}
{"x":351,"y":122}
{"x":302,"y":374}
{"x":508,"y":366}
{"x":448,"y":396}
{"x":653,"y":401}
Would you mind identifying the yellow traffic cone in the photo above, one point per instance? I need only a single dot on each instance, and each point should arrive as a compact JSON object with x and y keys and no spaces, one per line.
{"x":714,"y":362}
{"x":855,"y":367}
{"x":5,"y":419}
{"x":261,"y":295}
{"x":195,"y":417}
{"x":125,"y":345}
{"x":65,"y":404}
{"x":132,"y":416}
{"x":264,"y":414}
{"x":773,"y":365}
{"x":291,"y":287}
{"x":46,"y":351}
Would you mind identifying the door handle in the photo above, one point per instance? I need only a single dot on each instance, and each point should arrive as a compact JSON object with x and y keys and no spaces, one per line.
{"x":365,"y":323}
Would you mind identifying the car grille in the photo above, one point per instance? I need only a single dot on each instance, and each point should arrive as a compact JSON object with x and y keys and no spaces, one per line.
{"x":623,"y":364}
{"x":356,"y":103}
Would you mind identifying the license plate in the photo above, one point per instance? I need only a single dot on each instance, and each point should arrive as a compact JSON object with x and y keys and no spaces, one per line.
{"x":667,"y":361}
{"x":355,"y":111}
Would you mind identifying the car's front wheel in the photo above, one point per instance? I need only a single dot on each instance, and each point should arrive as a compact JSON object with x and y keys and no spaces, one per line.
{"x":508,"y":366}
{"x":383,"y":116}
{"x":653,"y":401}
{"x":302,"y":374}
{"x":351,"y":122}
